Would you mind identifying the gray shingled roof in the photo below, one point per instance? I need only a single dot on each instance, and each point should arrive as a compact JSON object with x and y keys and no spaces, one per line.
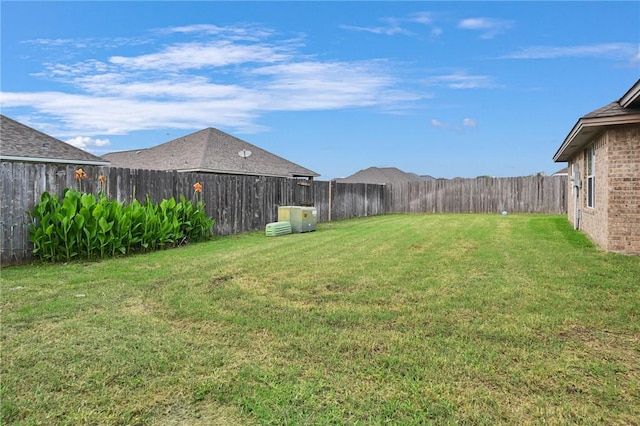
{"x":613,"y":109}
{"x":209,"y":150}
{"x":19,"y":142}
{"x":626,"y":110}
{"x":383,"y":175}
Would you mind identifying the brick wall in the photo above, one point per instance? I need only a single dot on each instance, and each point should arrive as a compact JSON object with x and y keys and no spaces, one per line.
{"x":614,"y":222}
{"x":594,"y":220}
{"x":624,"y":189}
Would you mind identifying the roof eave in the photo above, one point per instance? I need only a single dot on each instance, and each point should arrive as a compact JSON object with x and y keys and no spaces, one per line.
{"x":247,"y":173}
{"x":306,"y":175}
{"x":53,"y":160}
{"x":585,"y":130}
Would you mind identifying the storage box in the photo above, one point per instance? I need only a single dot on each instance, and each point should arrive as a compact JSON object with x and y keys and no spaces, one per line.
{"x":275,"y":229}
{"x":302,"y":219}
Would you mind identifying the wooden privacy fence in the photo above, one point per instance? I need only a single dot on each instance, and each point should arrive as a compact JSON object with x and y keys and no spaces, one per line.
{"x":238,"y":203}
{"x":530,"y":194}
{"x":247,"y":203}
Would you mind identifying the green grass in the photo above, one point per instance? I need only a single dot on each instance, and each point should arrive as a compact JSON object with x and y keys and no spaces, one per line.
{"x":399,"y":319}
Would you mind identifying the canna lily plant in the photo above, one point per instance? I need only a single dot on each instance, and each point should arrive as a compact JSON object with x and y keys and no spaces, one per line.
{"x":103,"y":185}
{"x":197,"y":191}
{"x":80,"y":175}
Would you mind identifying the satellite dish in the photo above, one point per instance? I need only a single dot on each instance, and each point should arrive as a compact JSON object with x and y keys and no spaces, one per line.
{"x":245,"y":153}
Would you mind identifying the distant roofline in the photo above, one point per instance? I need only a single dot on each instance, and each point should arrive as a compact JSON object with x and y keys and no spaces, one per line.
{"x":53,"y":160}
{"x":237,"y":172}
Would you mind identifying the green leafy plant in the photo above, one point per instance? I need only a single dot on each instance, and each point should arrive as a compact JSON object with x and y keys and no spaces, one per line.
{"x":82,"y":226}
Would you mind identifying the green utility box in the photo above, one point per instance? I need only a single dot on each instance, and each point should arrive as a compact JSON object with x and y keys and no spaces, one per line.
{"x":302,"y":219}
{"x":275,"y":229}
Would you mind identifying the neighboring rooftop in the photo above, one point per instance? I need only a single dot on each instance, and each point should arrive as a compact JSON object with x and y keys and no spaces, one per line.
{"x":19,"y":142}
{"x":209,"y":150}
{"x":382,"y":176}
{"x":562,"y":172}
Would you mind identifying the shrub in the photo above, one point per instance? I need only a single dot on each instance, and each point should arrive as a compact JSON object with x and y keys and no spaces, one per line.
{"x":82,"y":226}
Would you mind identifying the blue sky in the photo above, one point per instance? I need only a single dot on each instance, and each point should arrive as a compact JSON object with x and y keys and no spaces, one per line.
{"x":435,"y":88}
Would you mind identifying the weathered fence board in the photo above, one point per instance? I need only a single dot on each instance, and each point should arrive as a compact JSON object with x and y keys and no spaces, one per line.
{"x":247,"y":203}
{"x":531,"y":194}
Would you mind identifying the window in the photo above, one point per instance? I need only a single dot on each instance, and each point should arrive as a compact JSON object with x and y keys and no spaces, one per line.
{"x":590,"y":156}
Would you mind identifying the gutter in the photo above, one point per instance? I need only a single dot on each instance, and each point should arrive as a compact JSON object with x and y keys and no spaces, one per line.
{"x":247,"y":173}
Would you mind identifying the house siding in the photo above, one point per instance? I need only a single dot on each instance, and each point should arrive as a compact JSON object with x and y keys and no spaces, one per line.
{"x":624,"y":189}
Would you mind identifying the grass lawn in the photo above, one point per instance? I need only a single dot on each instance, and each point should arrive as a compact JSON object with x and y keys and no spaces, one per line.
{"x":399,"y":319}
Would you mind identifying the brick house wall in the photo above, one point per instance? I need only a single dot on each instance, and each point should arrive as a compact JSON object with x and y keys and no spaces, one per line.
{"x":614,"y":221}
{"x":624,"y":189}
{"x":593,"y":220}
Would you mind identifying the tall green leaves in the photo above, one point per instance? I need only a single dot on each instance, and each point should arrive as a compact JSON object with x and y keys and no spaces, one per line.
{"x":82,"y":226}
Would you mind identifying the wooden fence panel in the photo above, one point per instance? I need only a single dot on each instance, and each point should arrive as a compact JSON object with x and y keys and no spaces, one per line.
{"x":247,"y":203}
{"x":321,"y":200}
{"x":531,"y":194}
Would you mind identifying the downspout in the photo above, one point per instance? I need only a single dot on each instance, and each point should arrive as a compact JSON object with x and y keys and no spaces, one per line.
{"x":575,"y":187}
{"x":330,"y":184}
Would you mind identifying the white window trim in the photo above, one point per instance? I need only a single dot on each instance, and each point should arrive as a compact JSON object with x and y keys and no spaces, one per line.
{"x":590,"y":159}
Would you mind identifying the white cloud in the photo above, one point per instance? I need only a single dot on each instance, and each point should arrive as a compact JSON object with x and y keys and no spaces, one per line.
{"x":62,"y":48}
{"x":93,"y":115}
{"x":195,"y":28}
{"x":475,"y":24}
{"x":113,"y":104}
{"x":189,"y":88}
{"x":199,"y":84}
{"x":461,"y":80}
{"x":469,"y":122}
{"x":489,"y":28}
{"x":425,"y":18}
{"x":84,"y":142}
{"x":64,"y":72}
{"x":395,"y":25}
{"x":231,"y":32}
{"x":390,"y":29}
{"x":328,"y":85}
{"x":200,"y":55}
{"x":622,"y":51}
{"x":57,"y":42}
